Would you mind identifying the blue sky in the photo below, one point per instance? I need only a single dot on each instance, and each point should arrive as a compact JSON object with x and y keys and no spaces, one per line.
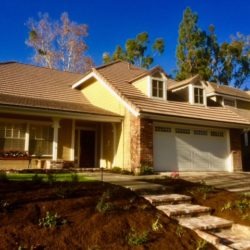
{"x":112,"y":22}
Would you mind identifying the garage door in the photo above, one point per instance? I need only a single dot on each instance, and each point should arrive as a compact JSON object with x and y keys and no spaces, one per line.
{"x":184,"y":148}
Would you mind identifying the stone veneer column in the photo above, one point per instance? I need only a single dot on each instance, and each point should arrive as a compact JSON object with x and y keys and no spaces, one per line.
{"x":236,"y":148}
{"x":141,"y":134}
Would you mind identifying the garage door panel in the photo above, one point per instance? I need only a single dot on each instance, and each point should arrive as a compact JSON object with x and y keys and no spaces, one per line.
{"x":190,"y":149}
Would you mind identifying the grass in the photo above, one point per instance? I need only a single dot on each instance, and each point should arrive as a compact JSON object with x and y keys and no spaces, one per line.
{"x":57,"y":177}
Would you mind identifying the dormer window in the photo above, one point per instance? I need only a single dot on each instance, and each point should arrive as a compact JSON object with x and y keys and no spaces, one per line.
{"x":157,"y":88}
{"x":198,"y":95}
{"x":229,"y":102}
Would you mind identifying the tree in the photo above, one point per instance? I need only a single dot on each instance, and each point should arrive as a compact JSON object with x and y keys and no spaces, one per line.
{"x":192,"y":54}
{"x":198,"y":52}
{"x":59,"y":45}
{"x":136,"y":51}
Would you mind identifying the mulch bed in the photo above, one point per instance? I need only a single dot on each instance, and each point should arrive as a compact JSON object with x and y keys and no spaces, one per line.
{"x":91,"y":216}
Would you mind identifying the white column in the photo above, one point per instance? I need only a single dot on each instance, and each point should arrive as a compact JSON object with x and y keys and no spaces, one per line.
{"x":55,"y":126}
{"x":72,"y":150}
{"x":27,"y":138}
{"x":114,"y":144}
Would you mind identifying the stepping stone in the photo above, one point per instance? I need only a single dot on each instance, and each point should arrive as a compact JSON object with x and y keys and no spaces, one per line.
{"x":167,"y":199}
{"x":184,"y":210}
{"x":205,"y":222}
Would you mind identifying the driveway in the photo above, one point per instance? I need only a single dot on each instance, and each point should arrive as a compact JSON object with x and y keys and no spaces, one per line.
{"x":234,"y":182}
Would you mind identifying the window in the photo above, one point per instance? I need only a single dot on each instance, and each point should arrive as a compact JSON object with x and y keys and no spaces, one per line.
{"x":157,"y":88}
{"x":12,"y":136}
{"x":41,"y":138}
{"x":217,"y":133}
{"x":229,"y":102}
{"x":182,"y":131}
{"x":163,"y":129}
{"x":200,"y":132}
{"x":198,"y":95}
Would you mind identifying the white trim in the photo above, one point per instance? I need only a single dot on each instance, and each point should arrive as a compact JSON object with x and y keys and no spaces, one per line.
{"x":229,"y":160}
{"x":149,"y":86}
{"x":101,"y":146}
{"x":190,"y":94}
{"x":85,"y":78}
{"x":104,"y":84}
{"x":228,"y":96}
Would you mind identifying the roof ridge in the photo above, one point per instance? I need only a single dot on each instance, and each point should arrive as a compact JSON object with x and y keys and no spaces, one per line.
{"x":42,"y":67}
{"x":107,"y":64}
{"x":7,"y":62}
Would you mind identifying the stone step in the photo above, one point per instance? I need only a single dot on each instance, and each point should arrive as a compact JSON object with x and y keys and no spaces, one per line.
{"x":237,"y":237}
{"x":167,"y":199}
{"x":205,"y":222}
{"x":189,"y":210}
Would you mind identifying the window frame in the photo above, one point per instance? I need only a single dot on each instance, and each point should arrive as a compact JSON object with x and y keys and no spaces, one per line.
{"x":200,"y":95}
{"x":158,"y":80}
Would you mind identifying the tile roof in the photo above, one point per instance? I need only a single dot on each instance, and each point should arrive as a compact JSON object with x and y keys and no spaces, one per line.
{"x":227,"y":90}
{"x":118,"y":76}
{"x":39,"y":87}
{"x":175,"y":84}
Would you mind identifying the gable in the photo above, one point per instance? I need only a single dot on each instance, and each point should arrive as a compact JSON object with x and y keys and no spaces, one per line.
{"x":103,"y":96}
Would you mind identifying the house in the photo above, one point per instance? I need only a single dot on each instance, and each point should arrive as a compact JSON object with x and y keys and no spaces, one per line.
{"x":122,"y":115}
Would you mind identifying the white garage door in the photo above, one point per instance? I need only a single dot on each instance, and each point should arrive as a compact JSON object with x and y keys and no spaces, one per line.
{"x":184,"y":148}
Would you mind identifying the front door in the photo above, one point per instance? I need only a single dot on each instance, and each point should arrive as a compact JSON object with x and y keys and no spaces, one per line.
{"x":87,"y":149}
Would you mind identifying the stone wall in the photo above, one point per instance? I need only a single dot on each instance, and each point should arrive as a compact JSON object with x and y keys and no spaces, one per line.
{"x":236,"y":149}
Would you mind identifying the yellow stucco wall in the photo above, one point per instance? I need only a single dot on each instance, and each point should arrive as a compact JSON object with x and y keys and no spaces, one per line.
{"x":142,"y":85}
{"x":101,"y":97}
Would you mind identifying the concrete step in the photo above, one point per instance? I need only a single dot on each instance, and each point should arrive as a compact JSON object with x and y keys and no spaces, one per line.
{"x":181,"y":210}
{"x":205,"y":222}
{"x":237,"y":237}
{"x":141,"y":186}
{"x":165,"y":199}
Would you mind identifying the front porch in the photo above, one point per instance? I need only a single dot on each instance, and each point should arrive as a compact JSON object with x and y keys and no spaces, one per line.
{"x":90,"y":141}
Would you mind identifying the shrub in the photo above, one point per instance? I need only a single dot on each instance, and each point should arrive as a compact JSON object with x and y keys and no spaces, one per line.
{"x":156,"y":225}
{"x":74,"y":178}
{"x":51,"y":220}
{"x":37,"y":178}
{"x":51,"y":178}
{"x":136,"y":239}
{"x":146,"y":170}
{"x":103,"y":205}
{"x":116,"y":170}
{"x":3,"y":176}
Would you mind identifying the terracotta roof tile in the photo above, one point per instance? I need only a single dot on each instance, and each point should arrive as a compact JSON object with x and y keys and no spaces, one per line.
{"x":118,"y":76}
{"x":38,"y":87}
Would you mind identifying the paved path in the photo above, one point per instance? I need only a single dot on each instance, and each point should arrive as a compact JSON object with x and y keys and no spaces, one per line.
{"x":234,"y":182}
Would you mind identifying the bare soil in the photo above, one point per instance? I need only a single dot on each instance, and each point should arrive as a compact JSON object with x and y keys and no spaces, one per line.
{"x":229,"y":205}
{"x":121,"y":222}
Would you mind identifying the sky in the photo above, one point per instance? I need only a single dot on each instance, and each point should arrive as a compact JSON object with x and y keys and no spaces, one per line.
{"x":112,"y":22}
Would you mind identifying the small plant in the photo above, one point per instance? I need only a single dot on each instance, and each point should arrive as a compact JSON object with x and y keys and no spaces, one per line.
{"x":246,"y":217}
{"x":116,"y":170}
{"x":156,"y":225}
{"x":175,"y":175}
{"x":51,"y":220}
{"x":103,"y":205}
{"x":136,"y":239}
{"x":51,"y":178}
{"x":146,"y":170}
{"x":227,"y":206}
{"x":242,"y":205}
{"x":201,"y":245}
{"x":37,"y":178}
{"x":3,"y":176}
{"x":179,"y":231}
{"x":74,"y":178}
{"x":4,"y":206}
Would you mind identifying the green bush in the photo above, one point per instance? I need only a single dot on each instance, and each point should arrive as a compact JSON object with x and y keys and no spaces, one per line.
{"x":51,"y":220}
{"x":146,"y":170}
{"x":103,"y":205}
{"x":136,"y":239}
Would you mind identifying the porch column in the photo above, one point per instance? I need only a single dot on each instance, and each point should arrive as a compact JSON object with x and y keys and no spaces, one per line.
{"x":114,"y":144}
{"x":72,"y":150}
{"x":55,"y":126}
